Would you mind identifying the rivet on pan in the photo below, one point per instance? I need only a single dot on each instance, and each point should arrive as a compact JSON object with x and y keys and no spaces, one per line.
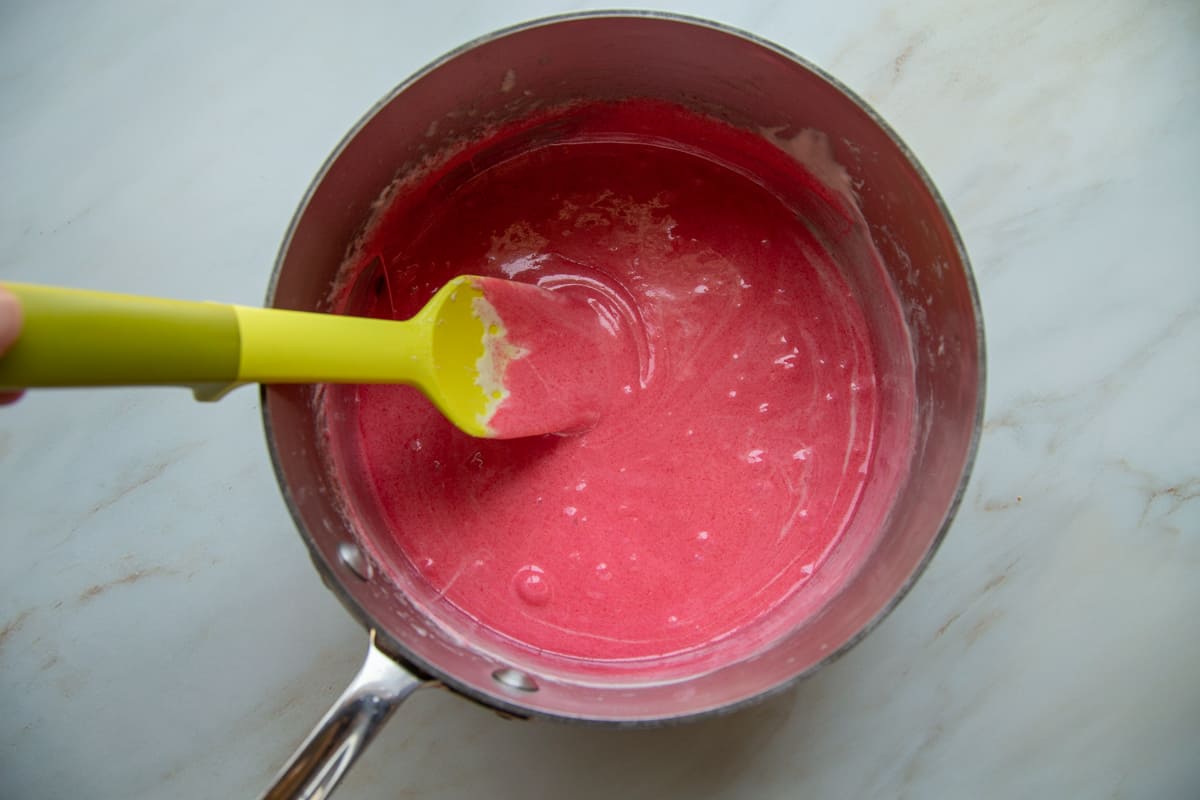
{"x":353,"y":559}
{"x":515,"y":679}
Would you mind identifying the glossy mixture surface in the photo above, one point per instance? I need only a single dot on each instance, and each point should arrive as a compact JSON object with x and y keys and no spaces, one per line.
{"x":736,"y":431}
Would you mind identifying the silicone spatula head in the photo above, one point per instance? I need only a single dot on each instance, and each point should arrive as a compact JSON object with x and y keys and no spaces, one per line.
{"x":510,"y":359}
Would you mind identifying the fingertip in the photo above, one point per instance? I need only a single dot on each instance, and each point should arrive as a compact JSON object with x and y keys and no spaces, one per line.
{"x":11,"y":318}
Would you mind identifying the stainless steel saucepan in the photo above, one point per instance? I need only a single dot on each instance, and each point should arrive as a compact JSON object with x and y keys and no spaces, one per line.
{"x":753,"y":84}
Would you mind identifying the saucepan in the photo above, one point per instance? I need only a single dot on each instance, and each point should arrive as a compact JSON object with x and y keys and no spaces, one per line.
{"x":721,"y":72}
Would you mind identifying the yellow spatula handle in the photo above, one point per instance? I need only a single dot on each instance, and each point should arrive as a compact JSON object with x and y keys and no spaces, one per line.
{"x":302,"y":347}
{"x":74,"y":337}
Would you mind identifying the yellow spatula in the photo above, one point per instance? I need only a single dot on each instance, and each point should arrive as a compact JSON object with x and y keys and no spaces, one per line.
{"x":73,"y":337}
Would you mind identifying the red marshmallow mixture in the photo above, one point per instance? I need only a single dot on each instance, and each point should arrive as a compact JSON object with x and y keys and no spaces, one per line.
{"x":741,"y":411}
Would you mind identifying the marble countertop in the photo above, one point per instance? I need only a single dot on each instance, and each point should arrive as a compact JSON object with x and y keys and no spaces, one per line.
{"x":163,"y":634}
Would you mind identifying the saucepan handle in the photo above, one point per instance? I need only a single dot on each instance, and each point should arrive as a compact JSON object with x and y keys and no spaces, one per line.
{"x":341,"y":737}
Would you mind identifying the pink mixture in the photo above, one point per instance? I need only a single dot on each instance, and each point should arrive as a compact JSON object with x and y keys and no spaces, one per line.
{"x":741,"y":400}
{"x":554,"y":356}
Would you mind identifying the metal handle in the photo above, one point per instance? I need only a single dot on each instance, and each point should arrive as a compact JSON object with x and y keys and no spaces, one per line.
{"x":346,"y":730}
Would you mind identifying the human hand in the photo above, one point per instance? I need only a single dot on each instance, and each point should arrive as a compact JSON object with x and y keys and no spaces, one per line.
{"x":10,"y":328}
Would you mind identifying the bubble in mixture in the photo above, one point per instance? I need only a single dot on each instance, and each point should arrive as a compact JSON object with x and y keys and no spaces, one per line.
{"x":531,"y":585}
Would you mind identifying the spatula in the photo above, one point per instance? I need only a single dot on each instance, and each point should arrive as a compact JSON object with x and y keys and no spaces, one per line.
{"x":454,"y":350}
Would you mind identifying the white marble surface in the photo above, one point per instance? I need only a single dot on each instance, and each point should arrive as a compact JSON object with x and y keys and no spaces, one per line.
{"x":162,"y":633}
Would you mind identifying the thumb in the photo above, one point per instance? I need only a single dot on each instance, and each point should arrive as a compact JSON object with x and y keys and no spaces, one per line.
{"x":10,"y":319}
